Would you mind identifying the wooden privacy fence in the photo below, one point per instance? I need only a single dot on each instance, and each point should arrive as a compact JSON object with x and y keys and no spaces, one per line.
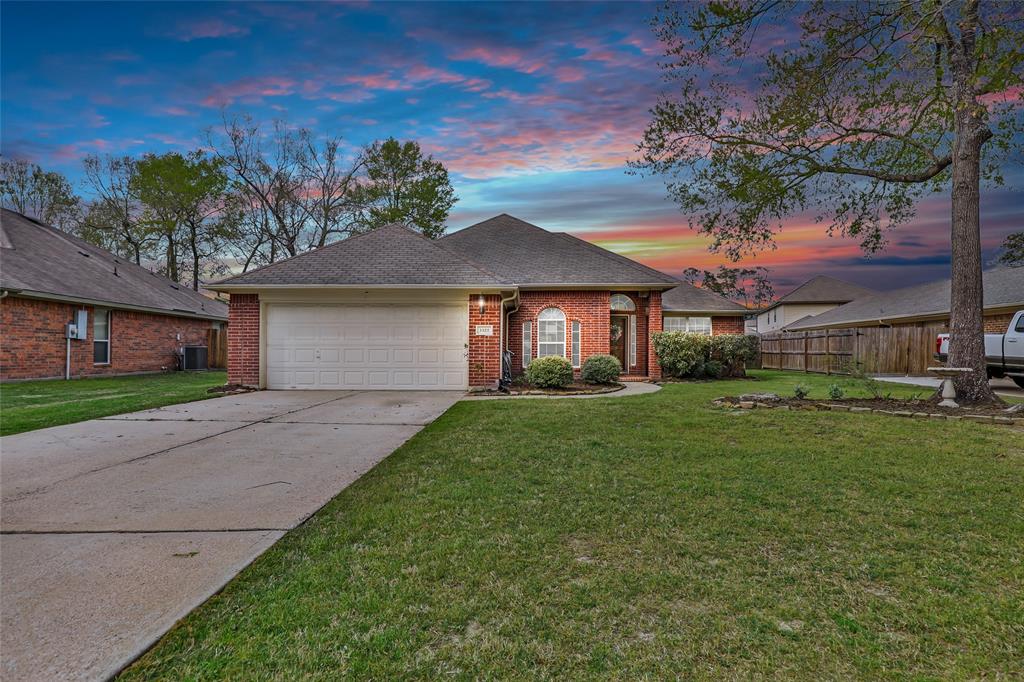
{"x":217,"y":348}
{"x":901,"y":349}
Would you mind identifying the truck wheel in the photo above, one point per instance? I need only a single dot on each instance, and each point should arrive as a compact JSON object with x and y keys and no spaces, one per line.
{"x":1019,"y":381}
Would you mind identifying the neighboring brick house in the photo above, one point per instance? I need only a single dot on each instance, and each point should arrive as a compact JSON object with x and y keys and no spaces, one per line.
{"x":136,"y":321}
{"x":391,"y":309}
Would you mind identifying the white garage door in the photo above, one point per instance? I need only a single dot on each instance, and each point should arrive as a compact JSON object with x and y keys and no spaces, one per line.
{"x":367,"y":346}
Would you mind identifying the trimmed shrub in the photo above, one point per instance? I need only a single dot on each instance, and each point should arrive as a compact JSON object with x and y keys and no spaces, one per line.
{"x":713,"y":369}
{"x":801,"y":391}
{"x":734,"y":351}
{"x":550,"y":371}
{"x":682,"y":354}
{"x":835,"y":391}
{"x":601,"y":369}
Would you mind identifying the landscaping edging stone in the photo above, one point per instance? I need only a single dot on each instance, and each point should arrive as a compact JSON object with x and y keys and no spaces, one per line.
{"x":833,"y":407}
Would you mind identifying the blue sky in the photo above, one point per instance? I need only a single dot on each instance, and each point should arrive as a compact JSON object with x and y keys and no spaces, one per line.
{"x":535,"y":109}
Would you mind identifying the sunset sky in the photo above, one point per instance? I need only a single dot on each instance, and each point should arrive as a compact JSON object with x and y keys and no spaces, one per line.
{"x":534,"y":108}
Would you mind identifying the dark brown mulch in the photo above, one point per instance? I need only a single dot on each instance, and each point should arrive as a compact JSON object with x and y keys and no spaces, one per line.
{"x":572,"y":389}
{"x":930,"y":404}
{"x":230,"y":388}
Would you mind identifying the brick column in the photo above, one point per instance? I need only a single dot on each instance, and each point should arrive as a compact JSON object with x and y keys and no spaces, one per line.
{"x":653,"y":325}
{"x":484,"y":351}
{"x":244,"y":340}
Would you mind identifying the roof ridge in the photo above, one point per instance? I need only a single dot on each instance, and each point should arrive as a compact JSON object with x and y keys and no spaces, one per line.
{"x":436,"y":243}
{"x":611,"y":255}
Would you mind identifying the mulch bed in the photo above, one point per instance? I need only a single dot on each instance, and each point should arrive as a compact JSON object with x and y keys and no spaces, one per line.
{"x":230,"y":389}
{"x":922,"y":408}
{"x":571,"y":389}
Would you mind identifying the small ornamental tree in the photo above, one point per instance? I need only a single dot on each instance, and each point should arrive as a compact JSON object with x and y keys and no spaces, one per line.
{"x":852,"y":110}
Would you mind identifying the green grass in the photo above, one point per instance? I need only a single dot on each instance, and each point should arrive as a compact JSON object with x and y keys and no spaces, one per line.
{"x":31,"y":405}
{"x":648,"y":537}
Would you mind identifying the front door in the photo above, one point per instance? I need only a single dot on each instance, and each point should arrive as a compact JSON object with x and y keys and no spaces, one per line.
{"x":617,"y":339}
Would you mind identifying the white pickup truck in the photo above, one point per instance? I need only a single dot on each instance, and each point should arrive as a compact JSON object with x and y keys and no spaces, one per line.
{"x":1004,"y":353}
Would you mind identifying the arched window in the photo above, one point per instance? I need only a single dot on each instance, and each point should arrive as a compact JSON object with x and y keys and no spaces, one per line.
{"x":551,"y":332}
{"x":622,"y":302}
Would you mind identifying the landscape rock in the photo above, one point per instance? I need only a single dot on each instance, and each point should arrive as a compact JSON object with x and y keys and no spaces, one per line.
{"x":760,"y":397}
{"x":746,"y":405}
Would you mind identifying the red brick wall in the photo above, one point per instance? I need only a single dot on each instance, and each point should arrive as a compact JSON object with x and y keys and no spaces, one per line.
{"x":484,"y":353}
{"x":590,"y":308}
{"x":32,"y":345}
{"x":244,"y":340}
{"x":997,"y":324}
{"x":655,"y":321}
{"x":727,"y":325}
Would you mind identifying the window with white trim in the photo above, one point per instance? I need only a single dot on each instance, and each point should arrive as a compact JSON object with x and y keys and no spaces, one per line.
{"x":575,"y":344}
{"x":694,"y":325}
{"x":622,"y":302}
{"x":101,"y":336}
{"x":550,"y":332}
{"x":527,"y":342}
{"x":632,"y":340}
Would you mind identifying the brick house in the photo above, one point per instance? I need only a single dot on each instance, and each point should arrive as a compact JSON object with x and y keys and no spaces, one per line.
{"x":135,"y":321}
{"x":391,"y":309}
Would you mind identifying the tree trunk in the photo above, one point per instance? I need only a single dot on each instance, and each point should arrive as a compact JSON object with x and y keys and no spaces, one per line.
{"x":966,"y":323}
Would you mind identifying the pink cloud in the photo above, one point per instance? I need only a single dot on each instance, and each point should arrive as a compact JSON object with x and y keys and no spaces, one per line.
{"x":569,"y":74}
{"x":176,"y":111}
{"x":208,"y":28}
{"x":505,"y":57}
{"x":250,"y":90}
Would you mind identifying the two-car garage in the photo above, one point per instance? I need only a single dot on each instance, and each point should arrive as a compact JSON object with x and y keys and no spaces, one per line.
{"x":367,"y":345}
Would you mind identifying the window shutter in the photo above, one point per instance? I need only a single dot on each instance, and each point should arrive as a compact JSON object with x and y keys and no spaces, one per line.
{"x":527,"y":342}
{"x":575,"y":344}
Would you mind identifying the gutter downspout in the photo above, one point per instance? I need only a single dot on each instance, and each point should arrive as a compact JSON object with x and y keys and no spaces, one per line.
{"x":501,"y":332}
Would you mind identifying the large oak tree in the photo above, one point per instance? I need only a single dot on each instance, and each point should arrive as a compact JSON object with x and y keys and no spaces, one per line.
{"x":850,"y":110}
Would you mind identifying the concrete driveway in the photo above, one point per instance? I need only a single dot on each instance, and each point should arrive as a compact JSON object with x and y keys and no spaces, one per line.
{"x":1004,"y":387}
{"x":115,"y":528}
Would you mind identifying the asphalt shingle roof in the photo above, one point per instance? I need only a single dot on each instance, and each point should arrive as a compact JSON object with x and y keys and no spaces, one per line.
{"x":824,"y":289}
{"x":1003,"y":287}
{"x":39,"y":259}
{"x":529,"y":255}
{"x":392,"y":255}
{"x":688,"y":298}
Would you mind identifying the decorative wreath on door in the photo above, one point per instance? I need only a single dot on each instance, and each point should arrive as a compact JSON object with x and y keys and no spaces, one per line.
{"x":616,"y":333}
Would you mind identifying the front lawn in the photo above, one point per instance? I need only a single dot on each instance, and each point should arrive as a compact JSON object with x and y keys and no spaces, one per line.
{"x":31,"y":405}
{"x":648,"y":537}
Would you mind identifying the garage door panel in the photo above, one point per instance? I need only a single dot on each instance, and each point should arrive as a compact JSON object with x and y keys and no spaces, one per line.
{"x":363,"y":346}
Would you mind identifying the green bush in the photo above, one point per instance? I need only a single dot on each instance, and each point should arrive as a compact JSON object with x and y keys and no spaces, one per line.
{"x":801,"y":391}
{"x":601,"y":369}
{"x":683,"y":354}
{"x":835,"y":391}
{"x":713,"y":369}
{"x":551,"y":371}
{"x":734,"y":351}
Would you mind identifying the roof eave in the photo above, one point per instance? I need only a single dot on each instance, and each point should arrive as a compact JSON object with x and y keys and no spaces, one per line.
{"x":902,"y":319}
{"x":255,"y":288}
{"x":171,"y":312}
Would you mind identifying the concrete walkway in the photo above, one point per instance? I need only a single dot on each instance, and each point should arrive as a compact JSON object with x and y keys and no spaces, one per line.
{"x":632,"y":388}
{"x":113,"y":529}
{"x":1003,"y":387}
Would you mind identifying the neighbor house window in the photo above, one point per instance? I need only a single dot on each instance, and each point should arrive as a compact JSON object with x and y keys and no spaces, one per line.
{"x":575,"y":344}
{"x":622,"y":302}
{"x":527,"y":342}
{"x":550,"y":332}
{"x":101,"y":336}
{"x":694,"y":325}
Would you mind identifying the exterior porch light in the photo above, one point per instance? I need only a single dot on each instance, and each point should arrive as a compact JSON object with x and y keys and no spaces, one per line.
{"x":481,"y":304}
